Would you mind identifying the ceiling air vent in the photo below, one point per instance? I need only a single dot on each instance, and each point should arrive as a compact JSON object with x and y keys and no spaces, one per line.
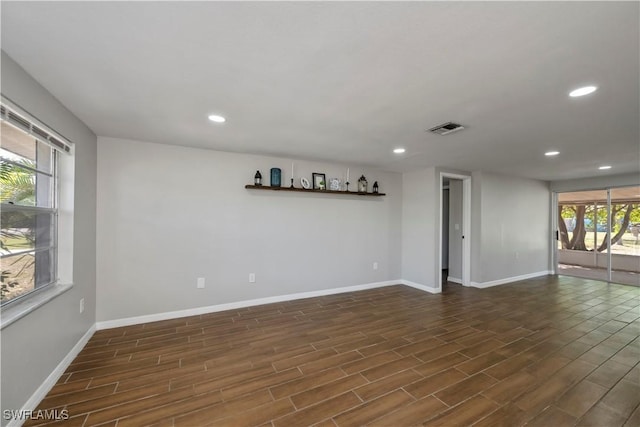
{"x":446,"y":128}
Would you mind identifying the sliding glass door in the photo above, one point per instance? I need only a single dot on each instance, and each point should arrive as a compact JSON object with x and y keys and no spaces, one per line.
{"x":581,"y":232}
{"x":625,"y":245}
{"x":598,"y":234}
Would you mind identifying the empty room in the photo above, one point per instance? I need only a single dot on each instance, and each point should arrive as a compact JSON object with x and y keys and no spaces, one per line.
{"x":320,"y":213}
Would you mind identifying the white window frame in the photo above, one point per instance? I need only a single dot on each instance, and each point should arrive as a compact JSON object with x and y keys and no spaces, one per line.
{"x":63,"y":175}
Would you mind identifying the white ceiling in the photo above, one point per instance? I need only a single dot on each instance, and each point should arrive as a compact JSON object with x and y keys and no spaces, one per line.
{"x":348,"y":82}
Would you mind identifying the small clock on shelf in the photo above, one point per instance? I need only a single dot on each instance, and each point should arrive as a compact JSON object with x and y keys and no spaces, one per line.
{"x":335,"y":184}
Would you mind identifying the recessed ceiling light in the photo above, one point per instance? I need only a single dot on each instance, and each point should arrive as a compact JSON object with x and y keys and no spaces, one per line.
{"x":216,"y":118}
{"x":551,"y":153}
{"x":582,"y":91}
{"x":399,"y":150}
{"x":604,"y":168}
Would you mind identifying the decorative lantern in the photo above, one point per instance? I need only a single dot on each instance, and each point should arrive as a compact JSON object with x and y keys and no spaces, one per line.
{"x":276,"y":173}
{"x":375,"y":187}
{"x":257,"y":180}
{"x":362,"y":184}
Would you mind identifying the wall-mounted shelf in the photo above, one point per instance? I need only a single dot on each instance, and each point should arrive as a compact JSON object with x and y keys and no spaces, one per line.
{"x":302,"y":190}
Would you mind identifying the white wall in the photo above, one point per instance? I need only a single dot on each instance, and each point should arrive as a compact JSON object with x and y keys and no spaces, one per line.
{"x":476,"y":224}
{"x":510,"y":225}
{"x":168,"y":215}
{"x":455,"y":235}
{"x":420,"y":227}
{"x":34,"y":345}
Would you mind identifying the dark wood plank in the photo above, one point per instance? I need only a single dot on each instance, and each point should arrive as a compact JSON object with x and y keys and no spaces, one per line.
{"x":545,"y":351}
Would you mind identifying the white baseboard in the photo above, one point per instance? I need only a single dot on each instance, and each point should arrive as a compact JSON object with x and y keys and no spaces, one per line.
{"x":107,"y":324}
{"x":53,"y":377}
{"x":510,"y":279}
{"x":454,"y":280}
{"x":420,"y":287}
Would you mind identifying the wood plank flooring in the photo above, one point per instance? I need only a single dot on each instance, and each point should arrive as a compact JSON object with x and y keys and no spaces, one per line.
{"x":553,"y":351}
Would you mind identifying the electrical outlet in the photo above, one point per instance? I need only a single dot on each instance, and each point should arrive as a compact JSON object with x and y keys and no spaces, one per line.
{"x":252,"y":277}
{"x":200,"y":283}
{"x":375,"y":265}
{"x":81,"y":305}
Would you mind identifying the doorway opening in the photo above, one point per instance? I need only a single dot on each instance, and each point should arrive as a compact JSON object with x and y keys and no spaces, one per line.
{"x":454,"y":250}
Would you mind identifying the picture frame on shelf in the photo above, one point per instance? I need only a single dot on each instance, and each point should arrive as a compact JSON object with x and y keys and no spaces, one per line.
{"x":319,"y":181}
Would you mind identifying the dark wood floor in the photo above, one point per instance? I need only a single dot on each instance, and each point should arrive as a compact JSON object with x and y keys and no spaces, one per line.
{"x":544,"y":352}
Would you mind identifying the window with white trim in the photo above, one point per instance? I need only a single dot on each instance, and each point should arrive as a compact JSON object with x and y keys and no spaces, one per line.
{"x":29,"y":154}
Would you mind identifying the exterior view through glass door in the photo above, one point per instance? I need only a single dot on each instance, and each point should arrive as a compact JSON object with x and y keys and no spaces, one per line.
{"x":598,"y":234}
{"x":625,"y":241}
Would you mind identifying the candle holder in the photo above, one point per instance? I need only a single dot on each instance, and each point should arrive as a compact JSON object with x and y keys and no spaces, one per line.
{"x":347,"y":184}
{"x":291,"y":183}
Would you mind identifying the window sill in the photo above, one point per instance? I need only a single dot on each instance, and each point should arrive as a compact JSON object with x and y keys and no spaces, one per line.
{"x":20,"y":309}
